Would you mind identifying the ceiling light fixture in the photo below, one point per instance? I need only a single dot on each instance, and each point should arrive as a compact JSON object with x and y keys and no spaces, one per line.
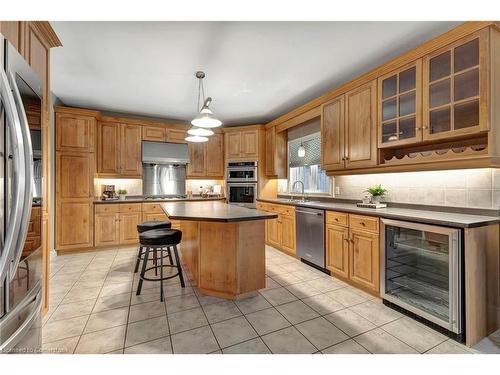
{"x":200,"y":132}
{"x":301,"y":152}
{"x":205,"y":118}
{"x":196,"y":138}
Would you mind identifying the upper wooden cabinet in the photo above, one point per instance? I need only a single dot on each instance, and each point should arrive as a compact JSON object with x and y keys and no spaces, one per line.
{"x":456,"y":88}
{"x":75,"y":132}
{"x":400,"y":106}
{"x":206,"y":160}
{"x":332,"y":134}
{"x":360,"y":126}
{"x":119,"y":150}
{"x":176,"y":135}
{"x":215,"y":156}
{"x":163,"y":134}
{"x":276,"y":153}
{"x":130,"y":150}
{"x":243,"y":144}
{"x":154,"y":133}
{"x":197,"y":160}
{"x":348,"y":130}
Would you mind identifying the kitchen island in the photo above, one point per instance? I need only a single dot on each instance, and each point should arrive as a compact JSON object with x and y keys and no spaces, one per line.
{"x":223,"y":246}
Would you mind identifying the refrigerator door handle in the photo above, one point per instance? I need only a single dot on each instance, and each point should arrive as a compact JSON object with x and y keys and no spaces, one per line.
{"x":18,"y":175}
{"x":28,"y":176}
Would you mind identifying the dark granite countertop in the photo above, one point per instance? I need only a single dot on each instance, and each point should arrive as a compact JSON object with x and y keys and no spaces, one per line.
{"x":142,"y":200}
{"x":450,"y":219}
{"x":213,"y":211}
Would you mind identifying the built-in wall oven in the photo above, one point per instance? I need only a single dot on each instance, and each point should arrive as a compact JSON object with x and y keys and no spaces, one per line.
{"x":242,"y":171}
{"x":422,"y":268}
{"x":241,"y":183}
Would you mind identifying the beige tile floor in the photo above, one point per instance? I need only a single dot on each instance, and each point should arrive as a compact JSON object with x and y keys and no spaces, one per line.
{"x":94,"y":309}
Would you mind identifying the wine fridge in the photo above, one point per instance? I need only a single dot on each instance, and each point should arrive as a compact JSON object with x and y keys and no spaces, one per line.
{"x":421,"y":273}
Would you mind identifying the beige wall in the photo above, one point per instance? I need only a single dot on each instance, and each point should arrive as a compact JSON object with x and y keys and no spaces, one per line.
{"x":473,"y":188}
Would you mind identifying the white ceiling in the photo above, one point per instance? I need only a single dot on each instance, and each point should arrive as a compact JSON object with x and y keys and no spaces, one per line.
{"x":255,"y":71}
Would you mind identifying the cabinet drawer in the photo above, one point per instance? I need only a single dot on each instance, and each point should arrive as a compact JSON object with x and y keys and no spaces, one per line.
{"x":150,"y":133}
{"x":151,"y":207}
{"x":367,"y":223}
{"x":262,"y":206}
{"x":287,"y":210}
{"x":130,"y":207}
{"x":337,"y":218}
{"x":107,"y":208}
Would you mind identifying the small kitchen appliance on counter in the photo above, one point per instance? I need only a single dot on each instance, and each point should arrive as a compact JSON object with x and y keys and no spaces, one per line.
{"x":108,"y":193}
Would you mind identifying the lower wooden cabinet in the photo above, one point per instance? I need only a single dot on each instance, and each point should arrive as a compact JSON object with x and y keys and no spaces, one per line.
{"x":280,"y":232}
{"x":364,"y":265}
{"x":337,"y":250}
{"x":75,"y":224}
{"x":352,"y":249}
{"x":107,"y":229}
{"x":128,"y":227}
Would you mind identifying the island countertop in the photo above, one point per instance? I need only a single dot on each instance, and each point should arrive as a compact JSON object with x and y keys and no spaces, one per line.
{"x":213,"y":211}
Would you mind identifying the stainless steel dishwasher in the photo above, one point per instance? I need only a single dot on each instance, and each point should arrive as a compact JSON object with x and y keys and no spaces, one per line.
{"x":310,"y":229}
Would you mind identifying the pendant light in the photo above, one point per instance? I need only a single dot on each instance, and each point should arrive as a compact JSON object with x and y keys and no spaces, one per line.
{"x":196,"y":139}
{"x":205,"y":120}
{"x":301,"y":152}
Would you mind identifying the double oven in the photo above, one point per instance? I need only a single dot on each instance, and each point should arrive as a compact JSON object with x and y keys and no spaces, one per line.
{"x":241,"y":183}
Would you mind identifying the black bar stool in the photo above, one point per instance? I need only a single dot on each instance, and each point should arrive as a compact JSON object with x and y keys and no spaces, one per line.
{"x":160,"y":240}
{"x":144,"y":227}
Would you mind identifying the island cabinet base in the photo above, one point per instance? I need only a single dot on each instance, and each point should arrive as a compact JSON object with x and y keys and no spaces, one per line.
{"x":226,"y":260}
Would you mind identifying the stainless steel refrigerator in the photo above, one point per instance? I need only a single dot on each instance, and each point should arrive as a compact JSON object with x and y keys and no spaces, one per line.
{"x":20,"y":194}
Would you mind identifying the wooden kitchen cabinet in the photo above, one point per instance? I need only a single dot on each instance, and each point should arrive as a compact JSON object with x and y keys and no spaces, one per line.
{"x":128,"y":227}
{"x":130,"y":150}
{"x":400,"y":106}
{"x":154,"y":133}
{"x":176,"y":135}
{"x":108,"y":148}
{"x":206,"y":160}
{"x":361,"y":126}
{"x":107,"y":229}
{"x":276,"y":153}
{"x":75,"y":132}
{"x":74,"y":175}
{"x":74,"y":224}
{"x":352,"y":249}
{"x":456,"y":85}
{"x":280,"y":232}
{"x":332,"y":134}
{"x":364,"y":264}
{"x":119,"y":150}
{"x":349,"y":131}
{"x":243,"y":143}
{"x":197,"y":160}
{"x":215,"y":156}
{"x":337,"y":250}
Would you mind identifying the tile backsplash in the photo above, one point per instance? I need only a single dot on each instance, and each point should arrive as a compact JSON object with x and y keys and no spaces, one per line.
{"x":472,"y":188}
{"x":134,"y":186}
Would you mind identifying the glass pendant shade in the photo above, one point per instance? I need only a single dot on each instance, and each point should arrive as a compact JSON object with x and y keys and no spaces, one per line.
{"x":301,"y":152}
{"x":196,"y":139}
{"x":206,"y":119}
{"x":200,"y":132}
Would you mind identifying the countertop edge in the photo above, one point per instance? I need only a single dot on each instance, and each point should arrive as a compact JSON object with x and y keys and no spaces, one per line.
{"x":388,"y":215}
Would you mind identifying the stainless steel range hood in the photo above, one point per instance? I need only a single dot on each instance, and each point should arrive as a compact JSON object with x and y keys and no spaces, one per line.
{"x":164,"y":153}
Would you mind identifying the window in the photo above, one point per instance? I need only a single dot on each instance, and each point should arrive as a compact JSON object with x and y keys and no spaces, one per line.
{"x":307,"y":168}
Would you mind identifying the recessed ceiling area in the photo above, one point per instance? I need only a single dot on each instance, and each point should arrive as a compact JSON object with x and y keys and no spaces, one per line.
{"x":255,"y":71}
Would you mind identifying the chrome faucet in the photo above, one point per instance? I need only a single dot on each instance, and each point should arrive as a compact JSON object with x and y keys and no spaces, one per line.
{"x":293,"y":189}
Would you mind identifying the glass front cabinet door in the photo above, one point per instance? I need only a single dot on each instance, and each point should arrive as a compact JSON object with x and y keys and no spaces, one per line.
{"x":400,"y":106}
{"x":455,"y":89}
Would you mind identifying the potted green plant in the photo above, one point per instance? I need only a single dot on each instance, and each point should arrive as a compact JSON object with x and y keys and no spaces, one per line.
{"x":377,"y":192}
{"x":122,"y":193}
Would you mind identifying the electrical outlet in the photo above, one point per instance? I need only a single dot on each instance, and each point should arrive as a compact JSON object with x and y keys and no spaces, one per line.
{"x":337,"y":190}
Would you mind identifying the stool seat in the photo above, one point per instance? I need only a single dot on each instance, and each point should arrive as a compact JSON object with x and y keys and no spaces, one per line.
{"x":160,"y":237}
{"x":150,"y":225}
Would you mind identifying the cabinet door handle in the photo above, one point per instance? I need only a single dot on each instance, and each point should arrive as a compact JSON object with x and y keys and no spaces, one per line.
{"x":346,"y":158}
{"x":362,"y":223}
